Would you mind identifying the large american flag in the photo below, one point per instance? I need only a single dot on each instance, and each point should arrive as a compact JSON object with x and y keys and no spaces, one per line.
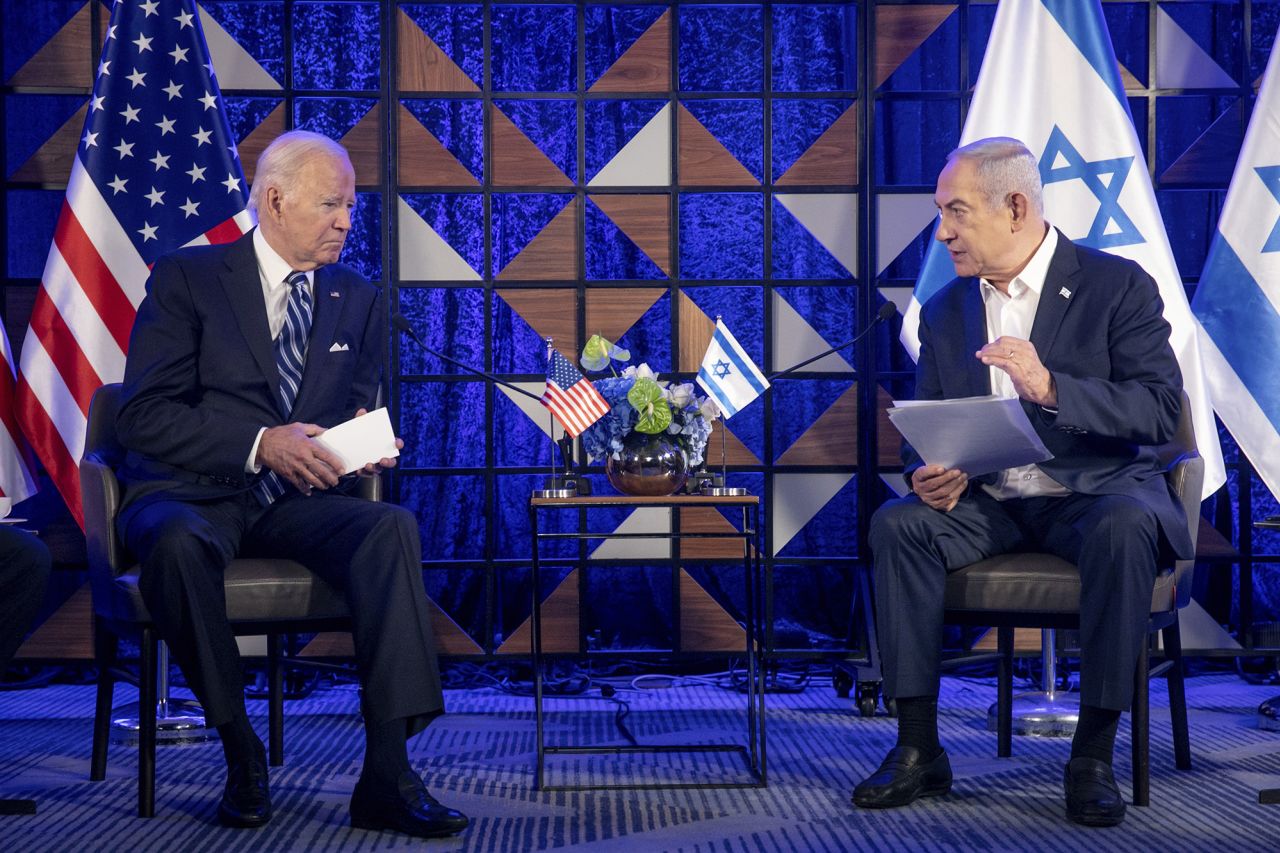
{"x":571,"y":397}
{"x":156,"y":169}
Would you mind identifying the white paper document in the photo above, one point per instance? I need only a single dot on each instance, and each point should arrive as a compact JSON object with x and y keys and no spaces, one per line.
{"x":978,"y":435}
{"x":362,"y":440}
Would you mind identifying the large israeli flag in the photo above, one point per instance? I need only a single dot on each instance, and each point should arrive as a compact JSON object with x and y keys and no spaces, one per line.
{"x":1238,"y":299}
{"x":1050,"y":79}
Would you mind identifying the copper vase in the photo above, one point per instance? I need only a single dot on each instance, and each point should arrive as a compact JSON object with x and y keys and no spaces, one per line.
{"x":650,"y":466}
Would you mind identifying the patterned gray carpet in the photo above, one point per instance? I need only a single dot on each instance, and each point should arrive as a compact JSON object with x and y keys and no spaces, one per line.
{"x":480,"y":759}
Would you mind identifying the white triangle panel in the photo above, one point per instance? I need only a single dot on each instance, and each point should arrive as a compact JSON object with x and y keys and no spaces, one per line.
{"x":645,"y":161}
{"x":797,"y":498}
{"x":424,"y":254}
{"x":234,"y":67}
{"x":899,"y":296}
{"x":535,"y":411}
{"x":1183,"y":64}
{"x":896,"y":483}
{"x":643,"y":520}
{"x":902,"y":218}
{"x":794,"y":340}
{"x":832,"y":218}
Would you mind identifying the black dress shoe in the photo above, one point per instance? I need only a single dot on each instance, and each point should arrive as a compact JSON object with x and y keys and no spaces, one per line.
{"x":1092,"y":796}
{"x":904,"y":776}
{"x":246,"y":801}
{"x":410,"y":809}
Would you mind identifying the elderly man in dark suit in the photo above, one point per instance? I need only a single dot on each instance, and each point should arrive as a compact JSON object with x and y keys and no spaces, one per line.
{"x":241,"y":355}
{"x":1079,"y":337}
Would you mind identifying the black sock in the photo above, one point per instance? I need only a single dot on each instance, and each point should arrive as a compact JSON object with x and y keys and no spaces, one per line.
{"x":918,"y":725}
{"x":240,"y":742}
{"x":386,"y":755}
{"x":1095,"y":733}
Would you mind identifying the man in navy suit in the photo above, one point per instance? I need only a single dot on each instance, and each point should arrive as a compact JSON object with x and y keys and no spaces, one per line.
{"x":240,"y":356}
{"x":1079,"y":337}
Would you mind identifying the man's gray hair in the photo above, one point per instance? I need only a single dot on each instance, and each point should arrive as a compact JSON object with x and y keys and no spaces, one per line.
{"x":281,"y":161}
{"x":1004,"y":165}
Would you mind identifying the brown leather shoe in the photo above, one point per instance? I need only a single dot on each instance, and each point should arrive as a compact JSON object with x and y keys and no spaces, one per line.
{"x":1093,"y":799}
{"x":410,"y":809}
{"x":903,"y":777}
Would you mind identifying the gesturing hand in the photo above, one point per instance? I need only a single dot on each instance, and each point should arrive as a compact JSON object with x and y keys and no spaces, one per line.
{"x":939,"y":487}
{"x":372,"y":469}
{"x":292,"y":452}
{"x":1018,"y":358}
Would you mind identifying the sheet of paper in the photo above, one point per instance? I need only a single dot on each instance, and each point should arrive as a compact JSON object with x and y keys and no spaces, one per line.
{"x":362,"y":440}
{"x":978,"y":435}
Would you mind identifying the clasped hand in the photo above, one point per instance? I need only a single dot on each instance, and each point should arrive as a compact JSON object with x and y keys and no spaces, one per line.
{"x":292,"y":452}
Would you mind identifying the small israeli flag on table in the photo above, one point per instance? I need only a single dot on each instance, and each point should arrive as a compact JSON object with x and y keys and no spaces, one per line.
{"x":728,"y":374}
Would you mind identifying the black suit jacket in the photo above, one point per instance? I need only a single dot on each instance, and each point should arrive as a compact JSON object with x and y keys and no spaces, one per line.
{"x":1100,"y":330}
{"x":201,"y":376}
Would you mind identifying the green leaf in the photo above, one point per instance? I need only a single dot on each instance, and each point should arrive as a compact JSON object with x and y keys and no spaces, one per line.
{"x":654,"y":412}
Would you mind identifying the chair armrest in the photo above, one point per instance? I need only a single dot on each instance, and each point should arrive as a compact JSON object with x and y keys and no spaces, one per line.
{"x":371,"y":488}
{"x":1186,"y":481}
{"x":100,"y":497}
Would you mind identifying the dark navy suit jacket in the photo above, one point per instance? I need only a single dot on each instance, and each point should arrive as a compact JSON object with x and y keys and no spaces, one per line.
{"x":201,"y":376}
{"x":1100,"y":330}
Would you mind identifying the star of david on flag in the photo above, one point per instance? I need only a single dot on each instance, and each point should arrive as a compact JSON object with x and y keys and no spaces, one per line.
{"x":1238,"y":295}
{"x":728,"y":374}
{"x":1068,"y":106}
{"x":155,"y":169}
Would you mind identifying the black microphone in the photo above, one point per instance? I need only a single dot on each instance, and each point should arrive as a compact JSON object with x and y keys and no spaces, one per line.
{"x":887,"y":310}
{"x":398,"y":320}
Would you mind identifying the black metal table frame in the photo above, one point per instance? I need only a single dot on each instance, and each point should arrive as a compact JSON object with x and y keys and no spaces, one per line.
{"x":753,"y":752}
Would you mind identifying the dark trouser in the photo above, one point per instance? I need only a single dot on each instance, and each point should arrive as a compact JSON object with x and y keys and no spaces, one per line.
{"x":369,"y":551}
{"x":1112,"y":539}
{"x":24,"y":575}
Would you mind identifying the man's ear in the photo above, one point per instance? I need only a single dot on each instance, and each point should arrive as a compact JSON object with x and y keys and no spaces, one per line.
{"x":273,"y":202}
{"x":1018,"y":207}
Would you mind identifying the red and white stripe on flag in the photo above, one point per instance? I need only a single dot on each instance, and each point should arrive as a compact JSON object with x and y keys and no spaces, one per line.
{"x":155,"y":170}
{"x":577,"y":407}
{"x":16,"y":482}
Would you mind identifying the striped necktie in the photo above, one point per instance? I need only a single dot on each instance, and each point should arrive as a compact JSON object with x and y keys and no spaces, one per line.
{"x":291,"y":358}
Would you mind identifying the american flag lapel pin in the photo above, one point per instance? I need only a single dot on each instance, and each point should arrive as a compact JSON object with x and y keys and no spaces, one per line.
{"x":334,"y":294}
{"x":1064,"y":293}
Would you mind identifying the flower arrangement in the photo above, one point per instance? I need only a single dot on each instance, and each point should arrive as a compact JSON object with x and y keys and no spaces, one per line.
{"x":640,"y":402}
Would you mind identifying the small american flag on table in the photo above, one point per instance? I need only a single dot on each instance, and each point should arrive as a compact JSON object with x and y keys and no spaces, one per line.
{"x":571,"y":397}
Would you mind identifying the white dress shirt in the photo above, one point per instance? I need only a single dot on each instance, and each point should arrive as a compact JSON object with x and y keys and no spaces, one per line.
{"x":1014,"y":314}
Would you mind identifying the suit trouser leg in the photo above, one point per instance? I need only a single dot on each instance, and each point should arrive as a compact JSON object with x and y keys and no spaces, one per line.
{"x":1114,"y":541}
{"x":372,"y":553}
{"x":184,"y":548}
{"x":24,"y":576}
{"x":914,"y":546}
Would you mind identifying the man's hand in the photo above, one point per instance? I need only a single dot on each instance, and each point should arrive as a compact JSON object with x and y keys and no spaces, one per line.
{"x":292,"y":453}
{"x":373,"y":469}
{"x":1019,"y":359}
{"x":939,"y":487}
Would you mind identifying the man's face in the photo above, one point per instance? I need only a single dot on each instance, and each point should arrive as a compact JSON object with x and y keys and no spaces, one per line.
{"x":313,"y":217}
{"x":981,"y":241}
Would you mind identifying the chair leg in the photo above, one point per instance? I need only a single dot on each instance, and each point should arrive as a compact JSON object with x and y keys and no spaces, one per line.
{"x":275,"y":702}
{"x":104,"y":645}
{"x":1004,"y":693}
{"x":147,"y":725}
{"x":1140,"y":722}
{"x":1176,"y":677}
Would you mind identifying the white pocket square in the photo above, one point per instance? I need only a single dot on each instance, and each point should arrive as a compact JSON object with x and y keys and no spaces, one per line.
{"x":339,"y":348}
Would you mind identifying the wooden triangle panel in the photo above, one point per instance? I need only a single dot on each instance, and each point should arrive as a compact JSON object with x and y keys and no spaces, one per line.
{"x":611,"y":312}
{"x":422,"y":66}
{"x":708,"y":520}
{"x":364,"y":145}
{"x":1128,"y":81}
{"x":516,"y":160}
{"x":833,"y":157}
{"x":67,"y":634}
{"x":705,"y":626}
{"x":552,"y":313}
{"x":833,"y":438}
{"x":252,"y":146}
{"x":552,"y":254}
{"x":66,"y":59}
{"x":704,"y":160}
{"x":735,"y":452}
{"x":1212,"y":157}
{"x":559,"y":623}
{"x":51,"y":163}
{"x":424,"y":161}
{"x":450,"y":639}
{"x":645,"y":219}
{"x":696,"y":329}
{"x":645,"y":66}
{"x":902,"y":29}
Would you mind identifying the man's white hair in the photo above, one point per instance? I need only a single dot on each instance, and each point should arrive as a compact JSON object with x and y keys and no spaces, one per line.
{"x":1005,"y":166}
{"x":280,"y":162}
